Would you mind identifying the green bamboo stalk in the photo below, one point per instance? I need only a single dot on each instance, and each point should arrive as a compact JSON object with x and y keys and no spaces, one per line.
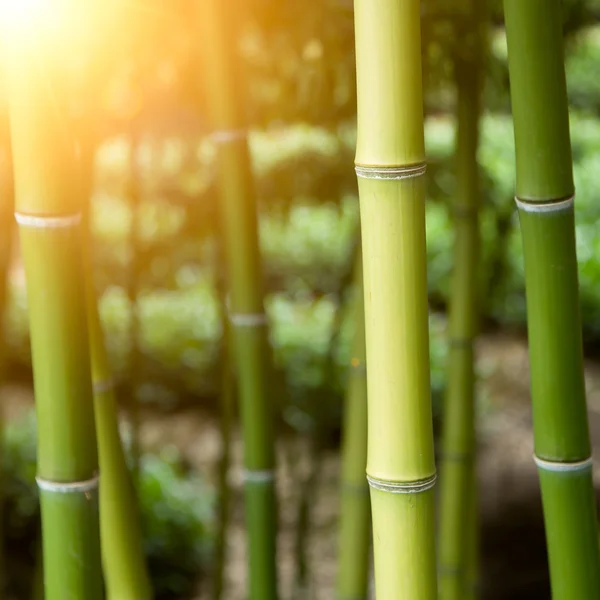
{"x":249,"y":341}
{"x":48,"y":210}
{"x":390,"y":164}
{"x":227,"y":399}
{"x":134,"y":318}
{"x":457,"y":517}
{"x":123,"y":559}
{"x":545,"y":193}
{"x":355,"y":509}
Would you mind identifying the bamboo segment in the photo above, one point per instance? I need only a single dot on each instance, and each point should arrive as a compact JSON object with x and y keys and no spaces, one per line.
{"x":249,"y":343}
{"x":48,"y":209}
{"x":355,"y":513}
{"x":390,"y":161}
{"x":123,"y":559}
{"x":457,"y":514}
{"x":546,"y":211}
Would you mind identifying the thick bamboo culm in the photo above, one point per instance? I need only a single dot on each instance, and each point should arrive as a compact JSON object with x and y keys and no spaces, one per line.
{"x":545,"y":192}
{"x":355,"y":509}
{"x":390,"y":164}
{"x":48,"y":211}
{"x":458,"y":515}
{"x":248,"y":325}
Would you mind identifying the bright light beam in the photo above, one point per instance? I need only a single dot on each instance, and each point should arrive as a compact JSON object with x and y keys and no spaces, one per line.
{"x":18,"y":14}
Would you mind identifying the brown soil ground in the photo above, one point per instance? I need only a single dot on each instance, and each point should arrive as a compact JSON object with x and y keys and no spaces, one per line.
{"x":513,"y":555}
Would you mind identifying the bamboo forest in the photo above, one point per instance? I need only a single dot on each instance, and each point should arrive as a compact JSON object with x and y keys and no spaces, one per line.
{"x":299,"y":300}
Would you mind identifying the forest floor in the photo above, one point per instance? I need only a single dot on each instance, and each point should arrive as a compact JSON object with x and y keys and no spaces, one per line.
{"x":513,"y":553}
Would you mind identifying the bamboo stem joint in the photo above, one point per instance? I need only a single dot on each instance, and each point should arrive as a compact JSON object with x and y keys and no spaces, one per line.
{"x":402,"y":487}
{"x":248,"y":319}
{"x":259,"y":476}
{"x":547,"y":207}
{"x":47,"y":222}
{"x":226,"y":136}
{"x":394,"y":173}
{"x":75,"y":487}
{"x":557,"y":466}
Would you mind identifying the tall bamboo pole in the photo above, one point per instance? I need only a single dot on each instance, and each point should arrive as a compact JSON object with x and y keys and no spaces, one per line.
{"x":249,"y":342}
{"x":545,"y":193}
{"x":390,"y":164}
{"x":458,"y":515}
{"x":355,"y":509}
{"x":48,"y":211}
{"x":123,"y":560}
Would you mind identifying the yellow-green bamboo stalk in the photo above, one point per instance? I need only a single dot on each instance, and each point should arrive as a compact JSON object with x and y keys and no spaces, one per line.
{"x":355,"y":509}
{"x":457,"y":513}
{"x":390,"y":164}
{"x":48,"y":209}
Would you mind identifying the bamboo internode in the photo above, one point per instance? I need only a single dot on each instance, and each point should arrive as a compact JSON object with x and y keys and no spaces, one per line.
{"x":390,"y":161}
{"x":545,"y":191}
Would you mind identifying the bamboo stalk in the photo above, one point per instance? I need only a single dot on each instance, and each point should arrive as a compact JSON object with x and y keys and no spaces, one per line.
{"x":48,"y":211}
{"x":390,"y":164}
{"x":457,"y":514}
{"x":355,"y":509}
{"x":134,"y":318}
{"x":545,"y":193}
{"x":249,"y":341}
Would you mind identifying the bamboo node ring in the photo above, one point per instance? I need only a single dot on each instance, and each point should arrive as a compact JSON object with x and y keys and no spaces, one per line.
{"x":266,"y":476}
{"x":559,"y":467}
{"x":402,"y":487}
{"x":47,"y":222}
{"x":548,"y":207}
{"x":75,"y":487}
{"x":225,"y":136}
{"x":248,"y":320}
{"x":103,"y":386}
{"x":394,"y":173}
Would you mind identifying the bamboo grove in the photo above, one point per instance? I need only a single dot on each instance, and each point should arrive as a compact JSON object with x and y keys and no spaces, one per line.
{"x":425,"y":534}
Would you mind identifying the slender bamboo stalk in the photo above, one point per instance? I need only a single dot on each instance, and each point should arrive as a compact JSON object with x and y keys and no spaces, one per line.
{"x":457,"y":514}
{"x":355,"y":510}
{"x":244,"y":280}
{"x":123,"y":560}
{"x":134,"y":319}
{"x":545,"y":192}
{"x":48,"y":210}
{"x":227,"y":398}
{"x":390,"y":161}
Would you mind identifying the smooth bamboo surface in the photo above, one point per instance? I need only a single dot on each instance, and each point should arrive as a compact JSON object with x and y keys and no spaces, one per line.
{"x":249,"y":343}
{"x":457,"y":512}
{"x":125,"y":572}
{"x":544,"y":179}
{"x":46,"y":187}
{"x":355,"y":510}
{"x":390,"y":162}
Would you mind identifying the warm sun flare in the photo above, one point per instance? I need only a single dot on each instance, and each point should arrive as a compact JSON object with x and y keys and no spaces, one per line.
{"x":20,"y":13}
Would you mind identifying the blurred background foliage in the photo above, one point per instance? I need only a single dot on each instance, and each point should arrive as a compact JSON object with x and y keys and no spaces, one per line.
{"x":141,"y":110}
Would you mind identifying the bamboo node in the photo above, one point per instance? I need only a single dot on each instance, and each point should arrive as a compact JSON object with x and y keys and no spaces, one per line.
{"x":47,"y":222}
{"x":559,"y":467}
{"x":248,"y":320}
{"x":402,"y":487}
{"x":394,"y":173}
{"x":226,"y":136}
{"x":103,"y":386}
{"x":264,"y":476}
{"x":75,"y":487}
{"x":546,"y":207}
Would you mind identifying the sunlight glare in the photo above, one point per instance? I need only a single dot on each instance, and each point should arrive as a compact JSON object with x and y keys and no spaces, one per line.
{"x":20,"y":13}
